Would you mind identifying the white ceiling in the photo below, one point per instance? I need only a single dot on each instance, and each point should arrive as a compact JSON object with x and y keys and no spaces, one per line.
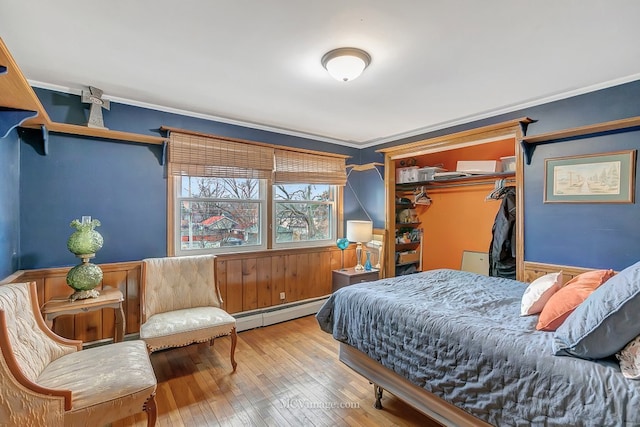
{"x":435,"y":63}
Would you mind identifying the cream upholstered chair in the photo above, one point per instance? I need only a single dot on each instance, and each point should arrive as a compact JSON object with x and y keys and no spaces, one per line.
{"x":181,"y":303}
{"x":47,"y":380}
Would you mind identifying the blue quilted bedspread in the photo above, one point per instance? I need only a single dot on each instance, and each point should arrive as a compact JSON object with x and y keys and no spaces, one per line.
{"x":460,"y":336}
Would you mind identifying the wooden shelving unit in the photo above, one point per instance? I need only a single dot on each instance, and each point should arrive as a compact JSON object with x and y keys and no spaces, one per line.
{"x":17,"y":94}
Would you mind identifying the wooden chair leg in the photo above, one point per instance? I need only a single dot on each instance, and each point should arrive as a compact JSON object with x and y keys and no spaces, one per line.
{"x":151,"y":410}
{"x":234,"y":340}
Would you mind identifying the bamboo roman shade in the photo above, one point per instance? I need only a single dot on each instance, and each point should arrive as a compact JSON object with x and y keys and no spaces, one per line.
{"x":192,"y":154}
{"x":196,"y":155}
{"x":297,"y":167}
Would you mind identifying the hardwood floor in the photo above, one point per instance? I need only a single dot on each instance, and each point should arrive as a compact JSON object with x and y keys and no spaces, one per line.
{"x":288,"y":375}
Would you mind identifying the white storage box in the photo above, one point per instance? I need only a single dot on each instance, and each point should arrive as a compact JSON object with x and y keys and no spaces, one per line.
{"x":508,"y":163}
{"x":405,"y":175}
{"x":426,"y":173}
{"x":479,"y":166}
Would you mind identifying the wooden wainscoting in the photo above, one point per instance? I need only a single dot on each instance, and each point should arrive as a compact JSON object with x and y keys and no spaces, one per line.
{"x":255,"y":280}
{"x":533,"y":270}
{"x":95,"y":325}
{"x":247,"y":281}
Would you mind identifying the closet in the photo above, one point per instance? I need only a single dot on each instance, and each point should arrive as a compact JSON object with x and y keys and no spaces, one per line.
{"x":451,"y":215}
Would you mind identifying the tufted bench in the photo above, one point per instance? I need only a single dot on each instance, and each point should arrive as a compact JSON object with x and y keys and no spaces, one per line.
{"x":49,"y":380}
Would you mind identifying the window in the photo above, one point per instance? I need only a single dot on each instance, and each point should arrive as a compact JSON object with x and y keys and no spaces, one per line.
{"x":231,"y":195}
{"x":220,"y":214}
{"x":304,"y":214}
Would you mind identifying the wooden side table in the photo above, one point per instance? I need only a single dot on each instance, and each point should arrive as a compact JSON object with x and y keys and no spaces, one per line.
{"x":109,"y":298}
{"x":350,"y":276}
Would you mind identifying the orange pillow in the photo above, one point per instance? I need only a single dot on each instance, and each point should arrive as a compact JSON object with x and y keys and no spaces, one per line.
{"x":562,"y":303}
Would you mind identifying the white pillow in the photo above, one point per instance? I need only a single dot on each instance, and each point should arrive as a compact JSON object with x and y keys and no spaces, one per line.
{"x":629,"y":358}
{"x":539,"y":292}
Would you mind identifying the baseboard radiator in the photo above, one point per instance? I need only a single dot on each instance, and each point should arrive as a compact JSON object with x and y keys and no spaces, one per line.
{"x":272,"y":315}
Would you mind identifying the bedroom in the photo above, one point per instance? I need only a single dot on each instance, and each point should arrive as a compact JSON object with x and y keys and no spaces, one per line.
{"x":48,"y":191}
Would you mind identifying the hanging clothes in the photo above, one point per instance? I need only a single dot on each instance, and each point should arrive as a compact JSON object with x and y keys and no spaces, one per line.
{"x":502,"y":252}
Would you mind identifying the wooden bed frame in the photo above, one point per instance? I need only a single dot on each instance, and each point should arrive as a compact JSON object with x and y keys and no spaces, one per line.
{"x":428,"y":403}
{"x":417,"y":397}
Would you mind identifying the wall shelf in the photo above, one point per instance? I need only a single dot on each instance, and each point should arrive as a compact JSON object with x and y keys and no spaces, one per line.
{"x":529,"y":142}
{"x":16,"y":94}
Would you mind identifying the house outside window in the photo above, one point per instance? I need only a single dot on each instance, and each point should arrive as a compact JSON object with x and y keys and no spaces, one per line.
{"x":220,"y":214}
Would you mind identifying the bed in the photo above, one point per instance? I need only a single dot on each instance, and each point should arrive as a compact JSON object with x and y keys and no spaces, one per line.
{"x":453,"y":345}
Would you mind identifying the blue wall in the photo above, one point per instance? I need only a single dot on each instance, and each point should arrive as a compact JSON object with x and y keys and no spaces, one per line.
{"x":124,"y":184}
{"x":587,"y":235}
{"x":597,"y":235}
{"x":9,"y":207}
{"x":121,"y":184}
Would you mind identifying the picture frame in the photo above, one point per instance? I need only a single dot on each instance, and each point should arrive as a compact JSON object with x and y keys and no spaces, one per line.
{"x":591,"y":178}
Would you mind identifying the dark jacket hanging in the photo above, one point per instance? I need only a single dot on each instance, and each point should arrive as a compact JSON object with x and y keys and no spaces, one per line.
{"x":502,"y":252}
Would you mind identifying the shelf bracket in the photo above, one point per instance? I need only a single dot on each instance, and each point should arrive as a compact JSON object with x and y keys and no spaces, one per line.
{"x":11,"y":118}
{"x":45,"y":139}
{"x":528,"y":150}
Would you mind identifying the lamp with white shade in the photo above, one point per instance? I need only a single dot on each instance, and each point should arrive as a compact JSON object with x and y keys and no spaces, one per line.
{"x":359,"y":231}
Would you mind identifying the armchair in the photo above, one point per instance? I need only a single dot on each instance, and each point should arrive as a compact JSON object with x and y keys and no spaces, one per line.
{"x":181,"y":304}
{"x":49,"y":380}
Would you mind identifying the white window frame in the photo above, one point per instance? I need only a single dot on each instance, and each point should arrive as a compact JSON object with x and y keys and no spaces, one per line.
{"x":177,"y":232}
{"x":306,"y":243}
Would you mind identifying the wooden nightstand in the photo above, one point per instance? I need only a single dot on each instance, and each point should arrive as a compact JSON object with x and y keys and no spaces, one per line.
{"x":349,"y":276}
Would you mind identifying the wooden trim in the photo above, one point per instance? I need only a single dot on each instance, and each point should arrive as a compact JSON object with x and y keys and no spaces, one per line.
{"x":246,"y":141}
{"x":583,"y":130}
{"x":511,"y":129}
{"x":143,"y":286}
{"x":533,"y":270}
{"x":171,"y":212}
{"x":520,"y":189}
{"x":72,"y":129}
{"x":477,"y":134}
{"x":15,"y":91}
{"x":29,"y":275}
{"x":365,"y":167}
{"x":417,"y":397}
{"x":390,"y":213}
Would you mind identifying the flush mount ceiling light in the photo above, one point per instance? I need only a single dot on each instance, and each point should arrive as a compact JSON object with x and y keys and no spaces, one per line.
{"x":345,"y":63}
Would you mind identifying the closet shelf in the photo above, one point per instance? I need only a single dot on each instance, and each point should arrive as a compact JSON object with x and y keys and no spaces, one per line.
{"x":407,"y":224}
{"x":406,"y":246}
{"x":471,"y":180}
{"x":17,"y":94}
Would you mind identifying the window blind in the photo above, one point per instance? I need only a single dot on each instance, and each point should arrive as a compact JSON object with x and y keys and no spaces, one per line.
{"x":196,"y":155}
{"x":297,"y":167}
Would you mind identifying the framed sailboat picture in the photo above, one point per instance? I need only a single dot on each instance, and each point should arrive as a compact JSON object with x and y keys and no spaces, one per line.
{"x":593,"y":178}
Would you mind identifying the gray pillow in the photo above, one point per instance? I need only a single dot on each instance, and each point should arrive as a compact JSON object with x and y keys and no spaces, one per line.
{"x":605,"y":322}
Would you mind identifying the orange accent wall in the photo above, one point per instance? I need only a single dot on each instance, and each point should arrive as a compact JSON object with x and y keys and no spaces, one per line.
{"x":489,"y":151}
{"x":459,"y":219}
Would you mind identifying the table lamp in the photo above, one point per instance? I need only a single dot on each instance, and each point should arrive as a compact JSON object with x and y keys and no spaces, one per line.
{"x":359,"y":231}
